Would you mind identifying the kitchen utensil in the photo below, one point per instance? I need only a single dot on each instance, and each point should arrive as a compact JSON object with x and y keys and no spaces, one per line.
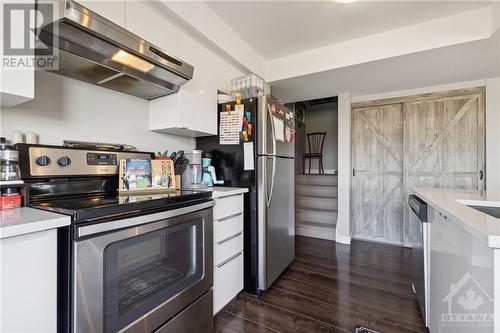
{"x":192,"y":175}
{"x":98,"y":145}
{"x":9,"y":170}
{"x":7,"y":151}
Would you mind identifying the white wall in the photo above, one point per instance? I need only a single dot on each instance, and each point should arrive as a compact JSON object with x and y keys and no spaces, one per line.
{"x":343,"y":228}
{"x":64,"y":108}
{"x":324,"y":118}
{"x":493,"y":134}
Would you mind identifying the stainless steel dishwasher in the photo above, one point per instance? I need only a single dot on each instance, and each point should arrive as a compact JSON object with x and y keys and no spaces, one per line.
{"x":421,"y":253}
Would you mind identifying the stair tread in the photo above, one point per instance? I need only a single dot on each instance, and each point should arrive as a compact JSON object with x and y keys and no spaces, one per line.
{"x":300,"y":196}
{"x":302,"y":175}
{"x":316,"y":185}
{"x":317,"y":224}
{"x":319,"y":210}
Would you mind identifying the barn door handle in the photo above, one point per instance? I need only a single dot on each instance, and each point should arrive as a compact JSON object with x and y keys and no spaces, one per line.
{"x":481,"y":174}
{"x":354,"y":172}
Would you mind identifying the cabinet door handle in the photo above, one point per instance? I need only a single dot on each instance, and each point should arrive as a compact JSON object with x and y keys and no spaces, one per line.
{"x":481,"y":174}
{"x":228,"y":217}
{"x":229,"y":238}
{"x":229,"y":259}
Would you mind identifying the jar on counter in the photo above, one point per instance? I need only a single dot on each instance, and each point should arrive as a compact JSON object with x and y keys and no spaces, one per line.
{"x":10,"y":198}
{"x":9,"y":170}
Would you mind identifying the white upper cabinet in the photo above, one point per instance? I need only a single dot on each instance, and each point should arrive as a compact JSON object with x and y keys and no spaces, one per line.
{"x":112,"y":10}
{"x":144,"y":19}
{"x":193,"y":110}
{"x":17,"y":84}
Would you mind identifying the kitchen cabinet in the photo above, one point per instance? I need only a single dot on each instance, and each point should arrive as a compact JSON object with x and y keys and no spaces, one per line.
{"x":111,"y":10}
{"x":17,"y":85}
{"x":228,"y":248}
{"x":157,"y":31}
{"x":461,"y":275}
{"x":193,"y":110}
{"x":28,"y":284}
{"x":28,"y":268}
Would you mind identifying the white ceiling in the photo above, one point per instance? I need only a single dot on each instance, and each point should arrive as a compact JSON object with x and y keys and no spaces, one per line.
{"x":459,"y":63}
{"x":280,"y":28}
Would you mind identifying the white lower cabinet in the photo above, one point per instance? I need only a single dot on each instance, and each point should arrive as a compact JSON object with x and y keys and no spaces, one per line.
{"x":228,"y":249}
{"x":461,"y":278}
{"x":228,"y":280}
{"x":28,"y":282}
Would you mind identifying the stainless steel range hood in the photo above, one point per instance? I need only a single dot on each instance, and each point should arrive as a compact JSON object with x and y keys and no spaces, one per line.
{"x":96,"y":50}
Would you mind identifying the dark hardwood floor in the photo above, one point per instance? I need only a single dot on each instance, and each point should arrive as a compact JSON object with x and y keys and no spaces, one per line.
{"x":332,"y":288}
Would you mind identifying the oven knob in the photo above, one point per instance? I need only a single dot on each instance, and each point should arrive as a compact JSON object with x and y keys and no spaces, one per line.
{"x":64,"y":161}
{"x":43,"y":160}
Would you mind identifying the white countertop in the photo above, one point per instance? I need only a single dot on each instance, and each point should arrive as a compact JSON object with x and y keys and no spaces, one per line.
{"x":453,"y":203}
{"x":220,"y":192}
{"x":20,"y":221}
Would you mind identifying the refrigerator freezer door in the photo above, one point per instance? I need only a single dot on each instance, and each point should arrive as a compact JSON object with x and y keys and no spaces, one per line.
{"x":276,"y":218}
{"x":276,"y":125}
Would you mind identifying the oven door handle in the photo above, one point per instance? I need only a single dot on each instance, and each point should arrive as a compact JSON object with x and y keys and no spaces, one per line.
{"x":138,"y":220}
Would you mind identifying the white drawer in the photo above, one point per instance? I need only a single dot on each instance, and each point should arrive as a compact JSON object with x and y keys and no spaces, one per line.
{"x":228,"y":281}
{"x":227,"y":226}
{"x":228,"y":247}
{"x":228,"y":206}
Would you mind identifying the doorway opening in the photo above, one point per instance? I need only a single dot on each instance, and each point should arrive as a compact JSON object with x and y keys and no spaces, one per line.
{"x":316,"y":160}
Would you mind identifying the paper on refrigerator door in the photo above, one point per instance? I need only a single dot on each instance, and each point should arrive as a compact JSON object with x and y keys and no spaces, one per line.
{"x":279,"y":129}
{"x":248,"y":154}
{"x":230,"y":127}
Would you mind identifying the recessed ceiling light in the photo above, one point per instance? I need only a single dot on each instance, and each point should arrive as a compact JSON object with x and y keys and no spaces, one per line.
{"x":344,"y":1}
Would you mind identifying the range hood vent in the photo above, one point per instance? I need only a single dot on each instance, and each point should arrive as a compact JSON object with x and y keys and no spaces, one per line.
{"x":95,"y":50}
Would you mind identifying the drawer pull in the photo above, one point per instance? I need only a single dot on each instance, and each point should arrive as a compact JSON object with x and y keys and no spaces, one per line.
{"x":228,"y":217}
{"x":229,"y":259}
{"x":228,"y":196}
{"x":229,"y":238}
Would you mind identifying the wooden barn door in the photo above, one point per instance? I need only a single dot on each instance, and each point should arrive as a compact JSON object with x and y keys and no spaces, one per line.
{"x":377,"y":153}
{"x":444,"y":144}
{"x":431,"y":140}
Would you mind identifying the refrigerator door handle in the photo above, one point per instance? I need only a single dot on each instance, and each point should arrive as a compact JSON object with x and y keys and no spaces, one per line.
{"x":271,"y":121}
{"x":273,"y":174}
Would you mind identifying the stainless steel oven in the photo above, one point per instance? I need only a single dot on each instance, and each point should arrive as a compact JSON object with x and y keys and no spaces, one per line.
{"x":145,"y":273}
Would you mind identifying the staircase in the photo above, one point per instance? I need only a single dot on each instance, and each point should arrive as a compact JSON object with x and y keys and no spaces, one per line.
{"x":316,"y":203}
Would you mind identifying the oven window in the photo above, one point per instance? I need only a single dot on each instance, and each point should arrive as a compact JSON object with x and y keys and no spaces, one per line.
{"x":143,"y":272}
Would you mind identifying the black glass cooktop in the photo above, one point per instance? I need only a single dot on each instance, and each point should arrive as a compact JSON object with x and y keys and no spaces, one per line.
{"x":112,"y":206}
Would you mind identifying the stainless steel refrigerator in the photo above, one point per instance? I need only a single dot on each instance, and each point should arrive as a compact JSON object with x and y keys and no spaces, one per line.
{"x":269,"y":230}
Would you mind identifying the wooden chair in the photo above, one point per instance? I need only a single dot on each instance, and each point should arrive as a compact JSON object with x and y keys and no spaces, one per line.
{"x":315,"y":142}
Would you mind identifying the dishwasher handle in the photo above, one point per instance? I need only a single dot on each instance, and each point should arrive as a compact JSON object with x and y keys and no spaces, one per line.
{"x":419,"y":207}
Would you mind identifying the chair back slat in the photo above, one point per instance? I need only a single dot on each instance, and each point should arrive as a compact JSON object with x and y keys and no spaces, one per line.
{"x":315,"y":142}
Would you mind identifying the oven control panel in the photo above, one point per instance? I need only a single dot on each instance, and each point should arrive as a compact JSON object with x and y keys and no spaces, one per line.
{"x":49,"y":161}
{"x":102,"y":159}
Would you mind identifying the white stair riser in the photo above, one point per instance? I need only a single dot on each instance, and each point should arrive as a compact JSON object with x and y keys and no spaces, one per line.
{"x":317,"y":180}
{"x":321,"y":191}
{"x":316,"y":216}
{"x":322,"y":233}
{"x":316,"y":203}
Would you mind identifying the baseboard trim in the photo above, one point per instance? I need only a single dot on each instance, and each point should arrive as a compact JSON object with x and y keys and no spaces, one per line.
{"x":342,"y":239}
{"x":315,"y":232}
{"x":378,"y":241}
